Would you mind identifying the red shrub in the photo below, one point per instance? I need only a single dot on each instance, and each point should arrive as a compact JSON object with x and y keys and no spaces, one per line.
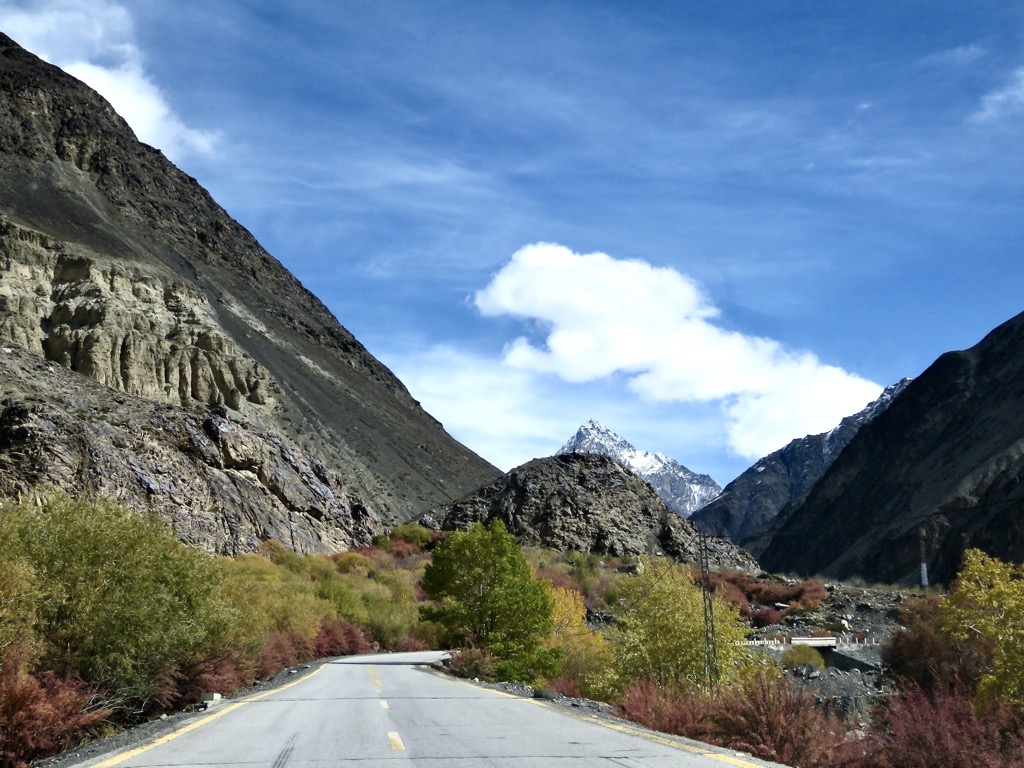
{"x":766,"y":616}
{"x":221,"y":674}
{"x":567,"y":686}
{"x":812,"y":594}
{"x":340,"y":638}
{"x":673,"y":709}
{"x":282,"y":649}
{"x":733,"y":594}
{"x":943,"y":730}
{"x":727,"y":586}
{"x":412,"y":644}
{"x":771,"y":592}
{"x":473,"y":663}
{"x":403,"y":549}
{"x":772,"y":719}
{"x":40,"y":714}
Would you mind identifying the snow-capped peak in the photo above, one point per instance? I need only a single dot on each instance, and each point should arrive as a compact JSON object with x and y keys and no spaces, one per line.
{"x":683,"y":490}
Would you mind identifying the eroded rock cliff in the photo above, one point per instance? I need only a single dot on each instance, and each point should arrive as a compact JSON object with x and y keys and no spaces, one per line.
{"x":118,"y":266}
{"x":220,"y":483}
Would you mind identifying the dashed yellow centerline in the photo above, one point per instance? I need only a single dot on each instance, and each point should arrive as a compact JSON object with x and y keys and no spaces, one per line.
{"x":383,"y":704}
{"x":396,"y":740}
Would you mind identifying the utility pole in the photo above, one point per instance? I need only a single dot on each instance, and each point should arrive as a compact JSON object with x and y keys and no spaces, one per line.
{"x":710,"y":648}
{"x":924,"y":562}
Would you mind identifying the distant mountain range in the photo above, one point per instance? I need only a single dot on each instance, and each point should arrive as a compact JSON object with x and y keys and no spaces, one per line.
{"x":684,"y":491}
{"x":783,"y":478}
{"x":946,"y":459}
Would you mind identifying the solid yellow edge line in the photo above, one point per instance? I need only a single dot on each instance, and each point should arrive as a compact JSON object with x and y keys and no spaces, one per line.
{"x":649,"y":735}
{"x":665,"y":740}
{"x":120,"y":758}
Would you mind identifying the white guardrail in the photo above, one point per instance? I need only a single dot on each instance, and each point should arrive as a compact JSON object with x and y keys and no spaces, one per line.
{"x":831,"y":641}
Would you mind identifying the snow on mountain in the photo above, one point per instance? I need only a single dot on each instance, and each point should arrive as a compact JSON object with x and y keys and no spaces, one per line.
{"x":684,"y":491}
{"x":751,"y":502}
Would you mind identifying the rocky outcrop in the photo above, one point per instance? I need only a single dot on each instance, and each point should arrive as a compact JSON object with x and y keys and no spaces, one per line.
{"x":221,"y":484}
{"x":585,"y":502}
{"x":118,"y":266}
{"x":946,"y":457}
{"x":782,"y":479}
{"x":139,"y":331}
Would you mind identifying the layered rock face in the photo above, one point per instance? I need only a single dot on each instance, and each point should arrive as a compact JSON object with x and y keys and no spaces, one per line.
{"x":221,"y":484}
{"x":947,"y":457}
{"x":134,"y":330}
{"x":116,"y":265}
{"x":585,"y":502}
{"x":782,"y":479}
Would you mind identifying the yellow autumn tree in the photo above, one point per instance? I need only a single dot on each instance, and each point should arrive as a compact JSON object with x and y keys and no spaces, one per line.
{"x":987,"y":605}
{"x":586,"y":656}
{"x":660,"y":632}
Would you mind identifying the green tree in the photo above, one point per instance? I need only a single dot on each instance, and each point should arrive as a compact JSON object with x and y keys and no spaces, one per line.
{"x":987,"y":605}
{"x":120,"y":602}
{"x":660,"y":633}
{"x":486,"y":596}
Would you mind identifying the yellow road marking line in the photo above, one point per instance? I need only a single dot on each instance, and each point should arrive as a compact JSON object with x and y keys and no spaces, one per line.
{"x":383,"y":704}
{"x":396,"y":740}
{"x":374,"y":677}
{"x":664,"y":740}
{"x":120,"y":758}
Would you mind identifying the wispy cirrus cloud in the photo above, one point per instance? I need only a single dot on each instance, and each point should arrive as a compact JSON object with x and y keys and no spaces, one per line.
{"x":94,"y":41}
{"x":1004,"y":102}
{"x":960,"y":56}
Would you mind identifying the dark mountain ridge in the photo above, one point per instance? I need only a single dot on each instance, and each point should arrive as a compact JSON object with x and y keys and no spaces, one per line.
{"x":783,"y":478}
{"x":947,"y":457}
{"x":118,"y":266}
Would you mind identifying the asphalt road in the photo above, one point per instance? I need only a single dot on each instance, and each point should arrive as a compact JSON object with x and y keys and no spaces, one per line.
{"x":389,"y":709}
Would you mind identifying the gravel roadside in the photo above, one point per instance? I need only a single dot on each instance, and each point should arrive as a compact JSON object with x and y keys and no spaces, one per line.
{"x":138,"y":735}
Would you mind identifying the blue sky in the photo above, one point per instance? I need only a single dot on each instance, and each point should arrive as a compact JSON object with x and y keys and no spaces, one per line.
{"x":714,"y":227}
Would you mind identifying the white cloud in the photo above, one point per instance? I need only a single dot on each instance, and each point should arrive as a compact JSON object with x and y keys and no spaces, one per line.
{"x":511,"y":415}
{"x":1006,"y":101}
{"x":94,"y":41}
{"x":507,"y":415}
{"x":602,"y":316}
{"x":954,"y":57}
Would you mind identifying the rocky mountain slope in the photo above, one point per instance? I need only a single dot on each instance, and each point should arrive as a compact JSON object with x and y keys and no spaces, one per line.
{"x":220,"y":483}
{"x":684,"y":491}
{"x":116,"y":265}
{"x":755,"y":498}
{"x":586,"y":502}
{"x":946,"y":456}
